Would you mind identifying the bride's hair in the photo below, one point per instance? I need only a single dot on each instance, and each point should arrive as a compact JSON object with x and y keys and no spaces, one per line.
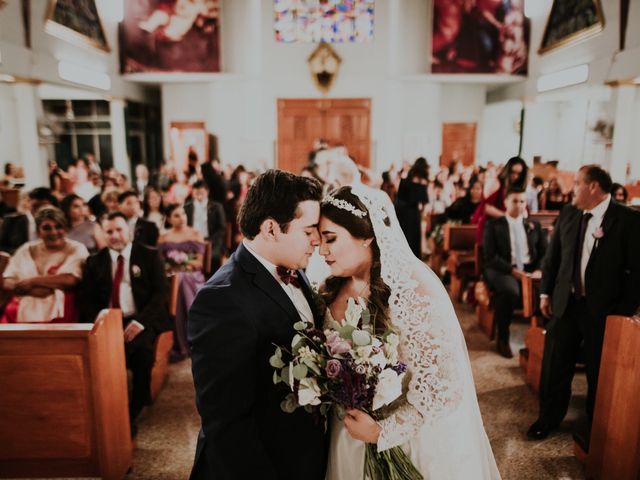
{"x":337,"y":208}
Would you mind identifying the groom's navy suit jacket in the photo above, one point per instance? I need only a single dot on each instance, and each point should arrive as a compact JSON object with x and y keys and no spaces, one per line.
{"x":234,"y":322}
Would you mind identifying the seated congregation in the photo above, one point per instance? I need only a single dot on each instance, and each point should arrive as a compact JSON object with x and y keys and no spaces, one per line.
{"x":112,"y":276}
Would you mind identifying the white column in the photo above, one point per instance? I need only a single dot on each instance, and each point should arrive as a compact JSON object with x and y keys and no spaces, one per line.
{"x":33,"y":156}
{"x":121,"y":160}
{"x":623,"y":132}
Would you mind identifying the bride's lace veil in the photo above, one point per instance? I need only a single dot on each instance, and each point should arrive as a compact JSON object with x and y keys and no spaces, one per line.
{"x":441,"y":399}
{"x":396,"y":257}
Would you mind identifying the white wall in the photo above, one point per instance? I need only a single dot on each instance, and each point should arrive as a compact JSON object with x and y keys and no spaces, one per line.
{"x":408,"y":107}
{"x":10,"y":151}
{"x":500,"y":137}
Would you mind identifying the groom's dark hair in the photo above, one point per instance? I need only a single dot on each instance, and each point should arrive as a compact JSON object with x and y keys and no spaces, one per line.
{"x":275,"y":194}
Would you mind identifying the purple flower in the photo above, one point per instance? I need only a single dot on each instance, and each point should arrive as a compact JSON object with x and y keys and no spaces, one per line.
{"x":337,"y":345}
{"x":399,"y":368}
{"x":333,"y":368}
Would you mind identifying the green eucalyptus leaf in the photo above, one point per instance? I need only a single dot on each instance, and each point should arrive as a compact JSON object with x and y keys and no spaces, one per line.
{"x":361,"y":338}
{"x":289,"y":404}
{"x":346,"y":331}
{"x":276,"y":362}
{"x":333,"y":325}
{"x":300,"y":371}
{"x":299,"y":326}
{"x":366,"y":317}
{"x":296,"y":339}
{"x":311,"y":364}
{"x":284,"y":375}
{"x":276,"y":377}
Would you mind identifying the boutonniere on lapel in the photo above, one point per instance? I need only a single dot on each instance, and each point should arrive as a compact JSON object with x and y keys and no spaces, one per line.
{"x":597,"y":235}
{"x":137,"y":272}
{"x":529,"y":226}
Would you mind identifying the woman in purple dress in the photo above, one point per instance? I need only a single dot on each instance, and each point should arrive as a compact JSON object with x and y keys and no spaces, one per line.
{"x":183,"y":249}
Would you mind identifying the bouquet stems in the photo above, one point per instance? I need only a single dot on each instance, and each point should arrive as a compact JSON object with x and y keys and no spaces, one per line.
{"x":392,"y":464}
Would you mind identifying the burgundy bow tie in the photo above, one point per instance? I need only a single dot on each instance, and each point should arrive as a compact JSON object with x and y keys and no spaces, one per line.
{"x":288,"y":276}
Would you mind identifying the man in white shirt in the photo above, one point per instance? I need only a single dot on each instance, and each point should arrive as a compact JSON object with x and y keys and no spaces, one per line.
{"x":142,"y":231}
{"x":511,"y":244}
{"x":130,"y":277}
{"x":142,"y":178}
{"x":208,"y":217}
{"x":591,"y":271}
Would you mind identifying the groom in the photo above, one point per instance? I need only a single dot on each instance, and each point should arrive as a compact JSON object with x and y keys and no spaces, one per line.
{"x":247,"y":307}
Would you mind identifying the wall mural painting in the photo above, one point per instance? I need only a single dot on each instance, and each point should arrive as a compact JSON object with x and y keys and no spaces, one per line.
{"x":571,"y":21}
{"x":76,"y":21}
{"x":479,"y":36}
{"x":170,"y":36}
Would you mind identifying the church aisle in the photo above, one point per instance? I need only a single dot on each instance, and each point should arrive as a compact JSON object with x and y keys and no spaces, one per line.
{"x":168,"y":430}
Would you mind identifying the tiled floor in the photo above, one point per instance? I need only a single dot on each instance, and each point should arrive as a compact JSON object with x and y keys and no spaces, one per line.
{"x":168,"y":430}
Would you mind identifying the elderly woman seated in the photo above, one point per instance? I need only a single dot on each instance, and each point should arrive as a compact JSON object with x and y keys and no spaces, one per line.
{"x":43,"y":273}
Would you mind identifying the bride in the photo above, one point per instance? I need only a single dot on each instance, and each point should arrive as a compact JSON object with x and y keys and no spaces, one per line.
{"x":438,"y":422}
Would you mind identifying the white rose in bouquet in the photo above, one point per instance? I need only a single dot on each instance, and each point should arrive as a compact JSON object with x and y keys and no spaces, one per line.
{"x":309,"y":392}
{"x":388,"y":389}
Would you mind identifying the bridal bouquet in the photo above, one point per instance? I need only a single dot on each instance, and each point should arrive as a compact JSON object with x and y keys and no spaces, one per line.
{"x":346,"y":366}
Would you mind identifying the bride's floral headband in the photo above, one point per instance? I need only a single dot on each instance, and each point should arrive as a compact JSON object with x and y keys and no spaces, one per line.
{"x":344,"y":205}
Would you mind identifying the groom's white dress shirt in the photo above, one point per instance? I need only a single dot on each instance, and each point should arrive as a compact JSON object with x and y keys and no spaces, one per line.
{"x":294,"y":293}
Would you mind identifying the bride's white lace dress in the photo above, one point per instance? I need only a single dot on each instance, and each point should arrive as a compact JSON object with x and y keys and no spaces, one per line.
{"x":439,"y":425}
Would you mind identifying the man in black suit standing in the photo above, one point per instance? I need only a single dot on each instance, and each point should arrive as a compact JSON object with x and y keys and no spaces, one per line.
{"x":131,"y":277}
{"x":143,"y":231}
{"x":207,"y":216}
{"x":591,"y":270}
{"x":511,"y":243}
{"x":249,"y":305}
{"x":212,"y":176}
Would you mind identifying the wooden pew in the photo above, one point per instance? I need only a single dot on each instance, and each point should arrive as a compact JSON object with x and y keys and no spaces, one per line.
{"x":531,"y":354}
{"x":459,"y":244}
{"x":10,"y":196}
{"x":634,"y":190}
{"x":615,"y":434}
{"x":63,"y":400}
{"x":484,"y":309}
{"x":483,"y":297}
{"x":164,"y":344}
{"x":546,"y":218}
{"x":161,"y":355}
{"x":436,"y":256}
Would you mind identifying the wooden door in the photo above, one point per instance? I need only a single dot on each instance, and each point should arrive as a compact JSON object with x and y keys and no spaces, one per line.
{"x":458,"y":143}
{"x":339,"y":121}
